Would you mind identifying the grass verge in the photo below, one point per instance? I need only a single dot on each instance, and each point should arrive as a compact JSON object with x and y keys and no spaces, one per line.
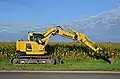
{"x":74,"y":65}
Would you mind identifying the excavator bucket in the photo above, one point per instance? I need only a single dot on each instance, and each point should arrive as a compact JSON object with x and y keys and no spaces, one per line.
{"x":109,"y":60}
{"x":106,"y":57}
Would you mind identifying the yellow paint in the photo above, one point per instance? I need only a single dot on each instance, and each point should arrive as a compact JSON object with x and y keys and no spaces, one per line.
{"x":39,"y":48}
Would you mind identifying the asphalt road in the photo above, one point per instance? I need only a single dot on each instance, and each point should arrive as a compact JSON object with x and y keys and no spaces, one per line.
{"x":57,"y":75}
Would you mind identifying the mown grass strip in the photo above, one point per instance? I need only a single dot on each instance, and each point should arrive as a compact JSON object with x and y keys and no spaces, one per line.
{"x":93,"y":65}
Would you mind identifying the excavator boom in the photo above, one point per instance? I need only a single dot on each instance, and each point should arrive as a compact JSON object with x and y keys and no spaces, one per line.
{"x":76,"y":36}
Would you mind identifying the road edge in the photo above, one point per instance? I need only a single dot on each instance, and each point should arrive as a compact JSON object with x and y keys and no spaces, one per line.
{"x":60,"y":71}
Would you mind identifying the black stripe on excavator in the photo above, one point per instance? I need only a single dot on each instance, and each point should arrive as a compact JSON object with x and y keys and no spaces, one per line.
{"x":59,"y":27}
{"x":28,"y":47}
{"x":23,"y":54}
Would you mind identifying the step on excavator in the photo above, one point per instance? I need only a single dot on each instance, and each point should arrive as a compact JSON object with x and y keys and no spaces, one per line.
{"x":32,"y":51}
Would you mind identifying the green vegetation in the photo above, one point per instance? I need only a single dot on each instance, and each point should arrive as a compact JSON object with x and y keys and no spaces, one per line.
{"x":86,"y":65}
{"x":75,"y":55}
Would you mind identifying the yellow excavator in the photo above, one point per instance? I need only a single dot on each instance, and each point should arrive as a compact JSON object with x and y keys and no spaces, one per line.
{"x":33,"y":51}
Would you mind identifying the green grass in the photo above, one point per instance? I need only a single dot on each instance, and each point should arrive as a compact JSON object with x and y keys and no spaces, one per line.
{"x":86,"y":65}
{"x":70,"y":52}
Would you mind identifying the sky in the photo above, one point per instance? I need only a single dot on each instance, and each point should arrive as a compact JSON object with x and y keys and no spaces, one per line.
{"x":45,"y":12}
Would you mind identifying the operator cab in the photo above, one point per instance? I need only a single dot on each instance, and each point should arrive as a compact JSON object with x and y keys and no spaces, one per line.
{"x":34,"y":36}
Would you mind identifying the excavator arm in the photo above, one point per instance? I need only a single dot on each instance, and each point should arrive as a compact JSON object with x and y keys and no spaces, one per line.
{"x":76,"y":36}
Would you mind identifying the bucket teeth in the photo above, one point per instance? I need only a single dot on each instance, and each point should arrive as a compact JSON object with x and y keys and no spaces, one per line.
{"x":111,"y":60}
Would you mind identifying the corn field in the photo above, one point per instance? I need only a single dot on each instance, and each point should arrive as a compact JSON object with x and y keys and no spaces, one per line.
{"x":66,"y":51}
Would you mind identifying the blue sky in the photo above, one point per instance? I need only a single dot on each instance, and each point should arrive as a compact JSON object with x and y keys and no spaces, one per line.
{"x":51,"y":11}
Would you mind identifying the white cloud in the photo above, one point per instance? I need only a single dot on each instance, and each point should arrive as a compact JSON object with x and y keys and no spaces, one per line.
{"x":3,"y":30}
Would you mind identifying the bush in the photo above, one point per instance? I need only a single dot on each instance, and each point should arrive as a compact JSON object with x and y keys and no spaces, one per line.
{"x":66,"y":51}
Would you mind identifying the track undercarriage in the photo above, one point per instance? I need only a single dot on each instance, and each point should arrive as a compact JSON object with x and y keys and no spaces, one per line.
{"x":36,"y":60}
